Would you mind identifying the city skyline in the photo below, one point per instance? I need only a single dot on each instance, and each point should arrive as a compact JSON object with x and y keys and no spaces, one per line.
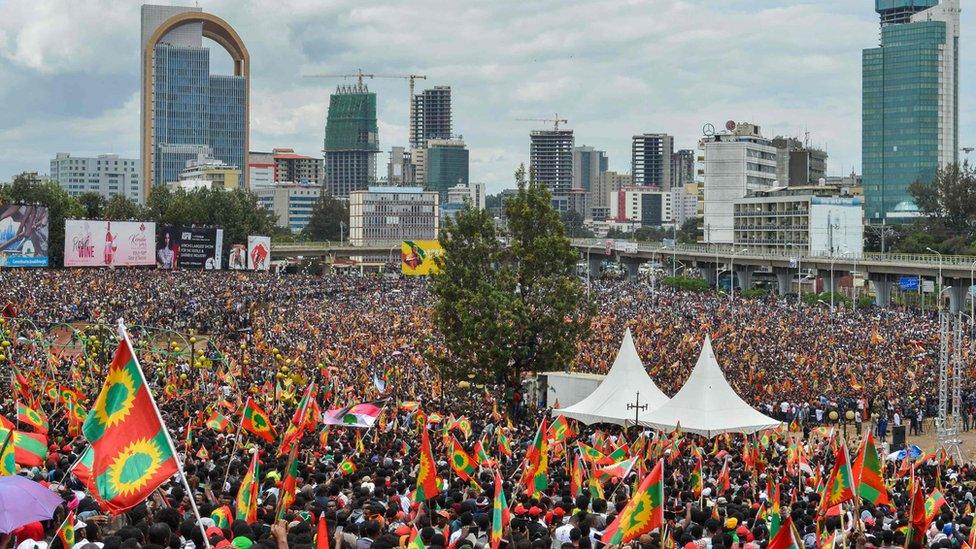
{"x":614,"y":70}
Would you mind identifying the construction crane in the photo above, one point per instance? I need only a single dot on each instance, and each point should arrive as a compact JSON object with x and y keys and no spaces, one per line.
{"x":555,"y":121}
{"x":411,"y":78}
{"x":359,"y":75}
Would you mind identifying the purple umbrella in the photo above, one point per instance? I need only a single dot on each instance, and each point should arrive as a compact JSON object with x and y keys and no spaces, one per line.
{"x":23,"y":501}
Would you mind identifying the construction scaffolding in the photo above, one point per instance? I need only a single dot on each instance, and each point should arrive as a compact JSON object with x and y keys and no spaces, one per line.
{"x":949,"y":426}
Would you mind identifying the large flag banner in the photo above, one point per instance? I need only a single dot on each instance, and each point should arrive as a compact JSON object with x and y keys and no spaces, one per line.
{"x":359,"y":415}
{"x":132,"y":452}
{"x":417,"y":257}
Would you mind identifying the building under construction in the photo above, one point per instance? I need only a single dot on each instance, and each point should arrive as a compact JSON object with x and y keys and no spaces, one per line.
{"x":351,"y":140}
{"x":430,"y":117}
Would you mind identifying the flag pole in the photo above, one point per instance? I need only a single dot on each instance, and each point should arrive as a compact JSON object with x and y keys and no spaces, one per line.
{"x":237,"y":440}
{"x":179,"y":466}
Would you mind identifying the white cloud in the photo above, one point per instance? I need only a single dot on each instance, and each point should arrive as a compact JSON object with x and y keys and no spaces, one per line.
{"x":612,"y":67}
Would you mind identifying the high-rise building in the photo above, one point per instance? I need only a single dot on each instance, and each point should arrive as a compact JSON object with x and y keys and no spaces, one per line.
{"x":393,"y":214}
{"x":910,"y":109}
{"x":735,"y":163}
{"x":682,"y":168}
{"x":588,"y":165}
{"x":351,"y":140}
{"x":431,"y":117}
{"x":650,"y":161}
{"x":186,"y":111}
{"x":797,"y":163}
{"x":106,"y":174}
{"x":608,"y":184}
{"x":446,"y":165}
{"x":292,"y":203}
{"x":551,"y":161}
{"x":641,"y":204}
{"x":298,"y":168}
{"x":400,"y":170}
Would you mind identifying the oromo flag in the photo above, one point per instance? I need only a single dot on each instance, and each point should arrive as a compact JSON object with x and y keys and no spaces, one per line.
{"x":247,"y":494}
{"x":867,"y":473}
{"x":500,"y":515}
{"x":643,"y":513}
{"x":257,"y":422}
{"x":132,"y":454}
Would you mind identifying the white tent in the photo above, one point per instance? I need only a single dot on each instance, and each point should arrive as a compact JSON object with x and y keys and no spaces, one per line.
{"x":707,"y":405}
{"x":626,"y":383}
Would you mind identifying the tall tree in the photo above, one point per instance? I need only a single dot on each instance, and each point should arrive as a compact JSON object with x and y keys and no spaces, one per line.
{"x":505,"y":310}
{"x":948,"y":208}
{"x":329,"y":216}
{"x":93,"y":203}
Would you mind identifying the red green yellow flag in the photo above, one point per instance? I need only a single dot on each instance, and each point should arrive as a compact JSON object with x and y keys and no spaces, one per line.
{"x":697,"y":481}
{"x":535,"y":476}
{"x":132,"y":451}
{"x":500,"y":515}
{"x":576,"y":477}
{"x":643,"y":513}
{"x":460,"y":460}
{"x":933,"y":503}
{"x":289,"y":483}
{"x":8,"y":465}
{"x":30,"y":449}
{"x":840,"y":483}
{"x":257,"y":422}
{"x":222,"y":517}
{"x":247,"y":494}
{"x":347,"y":467}
{"x":785,"y":538}
{"x":322,"y":533}
{"x":66,"y":533}
{"x":427,"y":471}
{"x":218,"y":421}
{"x":561,"y":430}
{"x":867,"y":473}
{"x":504,"y":447}
{"x":35,"y":418}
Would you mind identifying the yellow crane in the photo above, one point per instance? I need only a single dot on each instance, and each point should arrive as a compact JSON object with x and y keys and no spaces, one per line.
{"x":555,"y":121}
{"x":359,"y":75}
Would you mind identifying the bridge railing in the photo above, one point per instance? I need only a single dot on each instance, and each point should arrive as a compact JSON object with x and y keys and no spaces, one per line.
{"x":927,"y":260}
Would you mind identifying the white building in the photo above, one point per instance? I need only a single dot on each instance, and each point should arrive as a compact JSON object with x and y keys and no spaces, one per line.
{"x":684,"y":205}
{"x":291,"y":202}
{"x":105,"y":174}
{"x":645,"y":205}
{"x":392,"y":214}
{"x":734,"y":164}
{"x":805,"y":219}
{"x":261,"y":167}
{"x":473,"y":192}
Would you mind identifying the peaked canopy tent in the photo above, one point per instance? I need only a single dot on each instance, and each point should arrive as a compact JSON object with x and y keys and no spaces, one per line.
{"x":626,"y":383}
{"x":707,"y":405}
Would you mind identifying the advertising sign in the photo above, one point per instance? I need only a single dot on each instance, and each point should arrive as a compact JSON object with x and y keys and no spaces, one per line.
{"x":23,"y":236}
{"x":258,"y":253}
{"x":417,"y":257}
{"x":237,"y":260}
{"x":908,"y":283}
{"x":94,"y":243}
{"x":189,"y":247}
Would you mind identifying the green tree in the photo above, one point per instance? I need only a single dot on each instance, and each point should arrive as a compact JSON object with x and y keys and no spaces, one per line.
{"x":329,"y":216}
{"x":28,"y":189}
{"x":93,"y":203}
{"x":236,"y":211}
{"x":120,"y":208}
{"x":948,"y":208}
{"x":688,"y":232}
{"x":573,"y":225}
{"x":507,"y":310}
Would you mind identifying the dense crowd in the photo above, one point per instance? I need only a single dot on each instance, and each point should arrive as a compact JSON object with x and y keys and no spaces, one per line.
{"x":208,"y":341}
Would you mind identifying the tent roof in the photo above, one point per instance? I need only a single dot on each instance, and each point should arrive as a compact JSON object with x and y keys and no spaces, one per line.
{"x":608,"y":402}
{"x":707,"y":405}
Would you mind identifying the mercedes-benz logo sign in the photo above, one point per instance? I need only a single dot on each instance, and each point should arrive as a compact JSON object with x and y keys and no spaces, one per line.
{"x":708,"y":130}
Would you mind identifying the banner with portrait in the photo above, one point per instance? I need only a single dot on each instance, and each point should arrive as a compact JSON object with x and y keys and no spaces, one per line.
{"x":23,"y":236}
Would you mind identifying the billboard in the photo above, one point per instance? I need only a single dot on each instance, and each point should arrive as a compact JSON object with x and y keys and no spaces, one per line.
{"x":180,"y":247}
{"x":94,"y":243}
{"x":417,"y":257}
{"x":237,"y":259}
{"x":258,"y":253}
{"x":23,"y":236}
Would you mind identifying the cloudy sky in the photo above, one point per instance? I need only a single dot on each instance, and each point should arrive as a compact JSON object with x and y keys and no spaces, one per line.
{"x":69,"y":71}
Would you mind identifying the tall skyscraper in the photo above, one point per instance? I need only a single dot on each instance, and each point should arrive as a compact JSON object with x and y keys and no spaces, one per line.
{"x":431,"y":116}
{"x":186,"y":111}
{"x":351,"y":140}
{"x":910,"y":110}
{"x":682,"y":168}
{"x":650,"y":161}
{"x":588,"y":165}
{"x":446,"y":162}
{"x":551,"y":160}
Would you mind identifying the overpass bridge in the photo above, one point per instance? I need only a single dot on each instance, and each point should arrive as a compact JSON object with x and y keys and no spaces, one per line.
{"x":883,"y":270}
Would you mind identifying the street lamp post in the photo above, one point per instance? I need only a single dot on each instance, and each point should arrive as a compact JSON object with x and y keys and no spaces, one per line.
{"x":732,"y":274}
{"x":972,"y":298}
{"x":940,"y":276}
{"x":831,"y":284}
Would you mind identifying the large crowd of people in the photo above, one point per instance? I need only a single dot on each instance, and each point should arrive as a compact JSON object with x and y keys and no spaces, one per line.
{"x":208,"y":341}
